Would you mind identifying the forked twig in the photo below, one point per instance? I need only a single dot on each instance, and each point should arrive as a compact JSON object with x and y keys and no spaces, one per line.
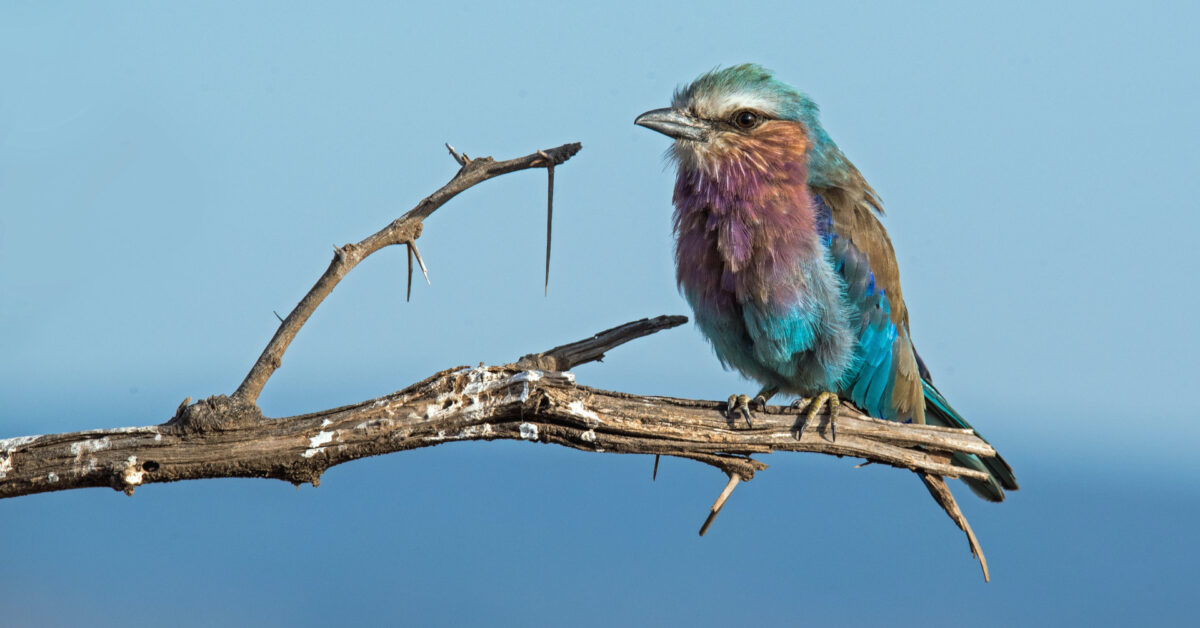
{"x":405,"y":229}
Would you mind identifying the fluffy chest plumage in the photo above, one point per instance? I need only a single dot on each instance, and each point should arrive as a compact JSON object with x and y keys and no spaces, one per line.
{"x":744,"y":221}
{"x":751,"y":263}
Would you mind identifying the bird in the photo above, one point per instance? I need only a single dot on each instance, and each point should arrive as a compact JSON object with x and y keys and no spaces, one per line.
{"x":781,"y":254}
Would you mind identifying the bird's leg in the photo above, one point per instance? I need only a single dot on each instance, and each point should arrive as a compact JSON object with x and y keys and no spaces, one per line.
{"x":814,"y":408}
{"x":739,"y":405}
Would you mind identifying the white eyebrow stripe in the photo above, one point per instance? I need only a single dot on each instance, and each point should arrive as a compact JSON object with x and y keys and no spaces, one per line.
{"x":720,"y":105}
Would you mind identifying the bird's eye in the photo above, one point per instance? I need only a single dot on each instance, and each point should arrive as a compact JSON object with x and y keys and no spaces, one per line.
{"x":746,"y":119}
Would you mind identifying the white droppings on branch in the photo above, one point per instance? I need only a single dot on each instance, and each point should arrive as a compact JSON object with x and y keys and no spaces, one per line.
{"x":529,"y":431}
{"x":447,"y":404}
{"x":133,"y":473}
{"x":9,"y":444}
{"x":316,"y":443}
{"x":387,"y":405}
{"x":527,"y":376}
{"x":91,"y":446}
{"x":52,"y":477}
{"x":589,"y":436}
{"x":467,"y":433}
{"x":326,"y":423}
{"x":576,"y":408}
{"x":320,"y":439}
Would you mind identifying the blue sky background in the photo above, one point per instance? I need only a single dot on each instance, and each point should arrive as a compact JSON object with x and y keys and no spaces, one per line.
{"x":170,"y":175}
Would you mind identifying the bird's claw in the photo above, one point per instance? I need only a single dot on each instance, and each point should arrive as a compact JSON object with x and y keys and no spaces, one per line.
{"x":739,"y":406}
{"x":814,"y":408}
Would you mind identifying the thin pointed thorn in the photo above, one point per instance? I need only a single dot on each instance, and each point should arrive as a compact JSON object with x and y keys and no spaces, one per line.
{"x":277,"y":315}
{"x":859,"y":466}
{"x":720,"y":503}
{"x":455,"y":154}
{"x":408,"y":292}
{"x":417,"y":252}
{"x":654,"y":476}
{"x":549,"y":217}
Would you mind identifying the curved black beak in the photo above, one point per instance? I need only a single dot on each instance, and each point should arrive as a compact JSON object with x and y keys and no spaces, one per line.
{"x":676,"y":124}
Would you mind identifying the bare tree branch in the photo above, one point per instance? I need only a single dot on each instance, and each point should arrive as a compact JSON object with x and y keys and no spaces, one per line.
{"x":404,"y":230}
{"x":535,"y":399}
{"x":216,"y":437}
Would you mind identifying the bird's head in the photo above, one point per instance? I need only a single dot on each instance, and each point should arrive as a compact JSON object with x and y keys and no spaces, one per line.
{"x":742,"y":113}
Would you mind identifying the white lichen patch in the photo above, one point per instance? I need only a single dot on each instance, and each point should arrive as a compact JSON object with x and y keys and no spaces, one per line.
{"x":9,"y":444}
{"x":5,"y":463}
{"x":52,"y":477}
{"x":467,"y":433}
{"x":133,"y":473}
{"x":89,"y":446}
{"x":326,"y":423}
{"x":529,"y":431}
{"x":316,"y":443}
{"x":576,"y":408}
{"x":480,"y":379}
{"x":527,"y":376}
{"x":589,"y":436}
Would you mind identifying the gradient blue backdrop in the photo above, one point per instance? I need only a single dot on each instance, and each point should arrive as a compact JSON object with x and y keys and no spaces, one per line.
{"x":169,"y":175}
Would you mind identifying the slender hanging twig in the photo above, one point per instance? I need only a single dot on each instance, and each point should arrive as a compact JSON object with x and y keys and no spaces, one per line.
{"x":942,"y":495}
{"x":720,"y":503}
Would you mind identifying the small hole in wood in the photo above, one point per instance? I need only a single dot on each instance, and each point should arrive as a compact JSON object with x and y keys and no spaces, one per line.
{"x":150,"y":465}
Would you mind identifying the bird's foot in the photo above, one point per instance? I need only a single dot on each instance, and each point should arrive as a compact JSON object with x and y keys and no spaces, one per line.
{"x":739,"y":406}
{"x":814,"y":408}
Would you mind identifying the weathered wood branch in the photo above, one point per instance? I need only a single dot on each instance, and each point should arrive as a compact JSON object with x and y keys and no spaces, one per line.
{"x":403,"y":230}
{"x":217,"y":437}
{"x":534,"y":399}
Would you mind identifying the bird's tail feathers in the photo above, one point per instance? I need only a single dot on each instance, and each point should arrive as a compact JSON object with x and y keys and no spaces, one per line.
{"x":939,"y":412}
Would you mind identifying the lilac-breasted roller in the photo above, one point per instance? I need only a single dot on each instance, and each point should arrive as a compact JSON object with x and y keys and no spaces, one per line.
{"x":781,"y":255}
